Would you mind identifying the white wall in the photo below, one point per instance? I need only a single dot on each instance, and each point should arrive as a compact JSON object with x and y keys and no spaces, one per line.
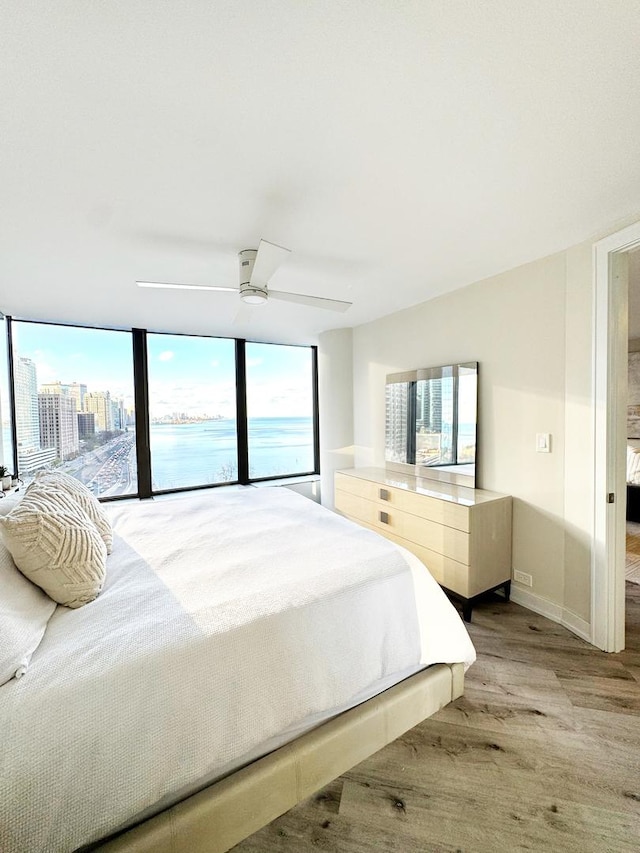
{"x":335,"y":392}
{"x":530,"y":331}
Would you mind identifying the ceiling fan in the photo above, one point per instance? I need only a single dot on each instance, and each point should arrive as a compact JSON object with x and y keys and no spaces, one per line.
{"x":257,"y":266}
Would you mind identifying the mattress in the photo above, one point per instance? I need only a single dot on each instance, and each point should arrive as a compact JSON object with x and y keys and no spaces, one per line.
{"x":230,"y":623}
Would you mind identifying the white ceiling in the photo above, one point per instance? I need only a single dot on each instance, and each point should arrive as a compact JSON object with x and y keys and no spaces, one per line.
{"x":400,"y":148}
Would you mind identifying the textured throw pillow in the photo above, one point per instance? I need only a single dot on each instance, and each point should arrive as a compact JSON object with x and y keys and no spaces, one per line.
{"x":80,"y":493}
{"x":24,"y":613}
{"x":55,"y":544}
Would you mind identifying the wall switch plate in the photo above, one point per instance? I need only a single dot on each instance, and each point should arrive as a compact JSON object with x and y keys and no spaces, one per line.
{"x":523,"y":578}
{"x":543,"y":442}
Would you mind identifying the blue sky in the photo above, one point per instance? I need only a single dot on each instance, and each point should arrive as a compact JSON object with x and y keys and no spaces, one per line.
{"x":186,"y":374}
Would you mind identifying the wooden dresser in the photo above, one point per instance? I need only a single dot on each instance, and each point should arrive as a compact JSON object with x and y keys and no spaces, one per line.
{"x":462,"y":535}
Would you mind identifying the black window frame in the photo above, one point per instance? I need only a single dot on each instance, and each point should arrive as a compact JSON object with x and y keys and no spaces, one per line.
{"x":315,"y":414}
{"x":142,"y":416}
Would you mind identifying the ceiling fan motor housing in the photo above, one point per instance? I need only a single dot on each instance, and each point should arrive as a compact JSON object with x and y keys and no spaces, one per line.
{"x":253,"y":294}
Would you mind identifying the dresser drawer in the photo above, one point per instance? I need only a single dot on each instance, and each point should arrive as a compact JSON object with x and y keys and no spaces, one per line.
{"x":387,"y":518}
{"x":356,"y":507}
{"x":440,"y":511}
{"x":447,"y":572}
{"x":463,"y":536}
{"x":356,"y":486}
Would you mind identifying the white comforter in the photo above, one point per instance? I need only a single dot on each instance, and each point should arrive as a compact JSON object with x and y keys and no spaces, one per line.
{"x":229,"y":622}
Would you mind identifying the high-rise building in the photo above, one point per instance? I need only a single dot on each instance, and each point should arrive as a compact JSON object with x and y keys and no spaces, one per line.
{"x":54,"y":388}
{"x":26,"y":402}
{"x":59,"y":424}
{"x":99,"y":403}
{"x":31,"y":455}
{"x":118,"y":414}
{"x":86,"y":424}
{"x":396,"y":421}
{"x":429,"y":404}
{"x":76,"y":390}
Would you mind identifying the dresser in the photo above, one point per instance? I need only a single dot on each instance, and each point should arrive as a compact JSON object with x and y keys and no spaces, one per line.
{"x":462,"y":535}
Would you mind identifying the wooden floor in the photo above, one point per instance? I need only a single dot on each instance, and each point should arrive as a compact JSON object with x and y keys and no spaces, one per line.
{"x":632,"y":561}
{"x":542,"y":753}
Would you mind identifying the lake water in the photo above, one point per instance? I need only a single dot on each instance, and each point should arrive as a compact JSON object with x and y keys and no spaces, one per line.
{"x":196,"y":454}
{"x":205,"y":452}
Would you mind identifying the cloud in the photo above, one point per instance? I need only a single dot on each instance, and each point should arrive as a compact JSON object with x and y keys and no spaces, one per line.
{"x":215,"y":364}
{"x":167,"y":355}
{"x":254,"y":362}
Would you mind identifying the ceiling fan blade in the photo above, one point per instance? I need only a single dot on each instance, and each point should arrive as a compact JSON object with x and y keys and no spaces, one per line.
{"x":171,"y":286}
{"x":267,"y":261}
{"x":314,"y":301}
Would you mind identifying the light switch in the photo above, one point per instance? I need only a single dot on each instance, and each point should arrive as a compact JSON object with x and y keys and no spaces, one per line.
{"x":543,"y":442}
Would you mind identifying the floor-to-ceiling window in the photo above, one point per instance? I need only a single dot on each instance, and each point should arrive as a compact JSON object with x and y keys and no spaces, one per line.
{"x":210,"y":411}
{"x":6,"y":432}
{"x":192,"y":411}
{"x":74,"y":404}
{"x":280,"y":410}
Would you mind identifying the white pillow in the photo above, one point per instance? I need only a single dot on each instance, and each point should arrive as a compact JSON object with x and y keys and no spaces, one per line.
{"x":61,"y":482}
{"x":24,"y":613}
{"x":7,"y":502}
{"x":55,"y":544}
{"x":633,"y":465}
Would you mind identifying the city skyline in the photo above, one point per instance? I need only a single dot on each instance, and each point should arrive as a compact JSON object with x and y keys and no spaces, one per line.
{"x":52,"y":418}
{"x":189,"y":374}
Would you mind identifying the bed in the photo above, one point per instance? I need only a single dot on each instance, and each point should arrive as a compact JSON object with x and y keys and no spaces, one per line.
{"x":248,"y":646}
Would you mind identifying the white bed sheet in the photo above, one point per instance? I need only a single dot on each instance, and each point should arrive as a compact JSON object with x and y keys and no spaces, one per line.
{"x":229,"y":623}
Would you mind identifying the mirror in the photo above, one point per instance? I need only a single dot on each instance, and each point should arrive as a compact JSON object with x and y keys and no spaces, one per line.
{"x":431,"y":422}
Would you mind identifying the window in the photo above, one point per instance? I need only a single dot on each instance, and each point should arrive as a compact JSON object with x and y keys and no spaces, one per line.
{"x":73,"y":406}
{"x":280,"y":410}
{"x":210,"y":411}
{"x":192,"y":411}
{"x":6,"y":437}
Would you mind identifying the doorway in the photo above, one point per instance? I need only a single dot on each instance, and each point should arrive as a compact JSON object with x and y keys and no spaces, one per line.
{"x":610,"y":352}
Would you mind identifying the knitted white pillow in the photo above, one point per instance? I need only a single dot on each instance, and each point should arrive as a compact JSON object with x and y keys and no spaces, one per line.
{"x":61,"y":482}
{"x":55,"y":544}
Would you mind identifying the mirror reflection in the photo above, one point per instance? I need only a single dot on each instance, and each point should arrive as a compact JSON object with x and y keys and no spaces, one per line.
{"x":431,"y":418}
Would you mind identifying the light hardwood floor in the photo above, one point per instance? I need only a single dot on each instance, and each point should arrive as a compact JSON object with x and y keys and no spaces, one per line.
{"x":542,"y":753}
{"x":632,"y":565}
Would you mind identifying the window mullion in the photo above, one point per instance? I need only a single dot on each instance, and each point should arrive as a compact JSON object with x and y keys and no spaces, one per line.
{"x":316,"y":411}
{"x":141,"y":394}
{"x":241,"y":412}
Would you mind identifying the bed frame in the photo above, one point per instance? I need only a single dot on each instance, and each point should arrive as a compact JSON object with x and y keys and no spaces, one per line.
{"x":226,"y":812}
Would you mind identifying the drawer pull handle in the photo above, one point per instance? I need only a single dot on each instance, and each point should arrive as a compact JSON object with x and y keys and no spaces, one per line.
{"x":384,"y":517}
{"x":384,"y":494}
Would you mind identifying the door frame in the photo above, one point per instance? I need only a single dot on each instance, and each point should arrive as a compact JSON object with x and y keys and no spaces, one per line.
{"x":610,"y":347}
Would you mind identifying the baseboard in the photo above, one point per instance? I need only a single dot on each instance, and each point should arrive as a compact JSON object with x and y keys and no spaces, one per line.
{"x":576,"y":624}
{"x":551,"y":610}
{"x":536,"y":603}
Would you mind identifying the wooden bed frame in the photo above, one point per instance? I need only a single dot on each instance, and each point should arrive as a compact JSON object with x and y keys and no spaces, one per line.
{"x":223,"y":814}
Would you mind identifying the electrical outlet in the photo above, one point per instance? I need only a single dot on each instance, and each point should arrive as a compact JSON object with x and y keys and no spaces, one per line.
{"x":523,"y":578}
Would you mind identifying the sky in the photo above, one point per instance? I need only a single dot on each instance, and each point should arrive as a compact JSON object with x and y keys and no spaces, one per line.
{"x":194,"y":375}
